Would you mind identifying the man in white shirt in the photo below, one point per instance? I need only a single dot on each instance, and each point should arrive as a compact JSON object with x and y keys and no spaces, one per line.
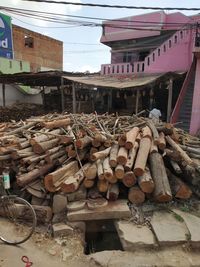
{"x":155,"y":115}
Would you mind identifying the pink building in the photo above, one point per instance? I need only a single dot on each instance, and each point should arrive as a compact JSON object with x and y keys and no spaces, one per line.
{"x":157,"y":43}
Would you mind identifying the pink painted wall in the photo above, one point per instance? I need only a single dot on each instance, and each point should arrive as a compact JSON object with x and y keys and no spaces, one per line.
{"x":195,"y":118}
{"x":115,"y":34}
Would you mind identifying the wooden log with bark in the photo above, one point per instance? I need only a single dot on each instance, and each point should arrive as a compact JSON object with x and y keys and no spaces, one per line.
{"x":162,"y":192}
{"x":119,"y":171}
{"x":135,"y":195}
{"x":108,"y":172}
{"x":146,"y":182}
{"x":131,"y":137}
{"x":101,"y":154}
{"x":100,"y":172}
{"x":161,"y":141}
{"x":131,"y":157}
{"x":40,"y":148}
{"x":129,"y":179}
{"x":122,"y":156}
{"x":113,"y":155}
{"x":113,"y":192}
{"x":56,"y":123}
{"x":141,"y":159}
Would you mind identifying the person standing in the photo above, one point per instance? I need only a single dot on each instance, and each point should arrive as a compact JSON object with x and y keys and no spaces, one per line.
{"x":155,"y":115}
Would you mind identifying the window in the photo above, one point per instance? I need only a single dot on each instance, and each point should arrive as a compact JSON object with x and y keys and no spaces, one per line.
{"x":164,"y":48}
{"x":175,"y":39}
{"x":148,"y":61}
{"x":28,"y":41}
{"x":158,"y":51}
{"x":113,"y":69}
{"x":170,"y":43}
{"x":153,"y":56}
{"x":181,"y":34}
{"x":127,"y":68}
{"x":127,"y":57}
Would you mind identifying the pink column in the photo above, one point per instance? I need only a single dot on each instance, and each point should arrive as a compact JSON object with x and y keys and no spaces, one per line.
{"x":195,"y":117}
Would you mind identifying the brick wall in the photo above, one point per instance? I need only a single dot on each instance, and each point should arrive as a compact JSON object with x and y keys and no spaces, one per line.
{"x":45,"y":52}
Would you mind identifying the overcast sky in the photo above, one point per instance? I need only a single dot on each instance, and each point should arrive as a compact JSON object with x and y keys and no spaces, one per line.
{"x":76,"y":55}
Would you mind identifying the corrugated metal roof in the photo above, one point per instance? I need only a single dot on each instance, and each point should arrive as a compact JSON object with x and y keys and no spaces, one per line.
{"x":117,"y":82}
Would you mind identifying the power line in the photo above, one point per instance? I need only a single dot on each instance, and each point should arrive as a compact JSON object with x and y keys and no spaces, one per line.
{"x":113,"y":6}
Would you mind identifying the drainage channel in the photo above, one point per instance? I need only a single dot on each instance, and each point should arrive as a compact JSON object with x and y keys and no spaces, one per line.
{"x":100,"y":236}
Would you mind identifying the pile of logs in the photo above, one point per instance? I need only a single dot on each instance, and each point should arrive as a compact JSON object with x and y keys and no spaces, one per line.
{"x":20,"y":111}
{"x":125,"y":156}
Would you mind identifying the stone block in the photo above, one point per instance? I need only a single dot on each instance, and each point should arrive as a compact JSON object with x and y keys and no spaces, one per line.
{"x":61,"y":229}
{"x":133,"y":236}
{"x":168,"y":229}
{"x":59,"y":203}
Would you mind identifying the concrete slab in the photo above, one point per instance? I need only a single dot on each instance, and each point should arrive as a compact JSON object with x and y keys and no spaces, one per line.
{"x":193,"y":224}
{"x":168,"y":229}
{"x":114,"y":210}
{"x":133,"y":236}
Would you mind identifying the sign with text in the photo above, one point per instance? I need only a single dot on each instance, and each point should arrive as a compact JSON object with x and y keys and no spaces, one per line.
{"x":6,"y":45}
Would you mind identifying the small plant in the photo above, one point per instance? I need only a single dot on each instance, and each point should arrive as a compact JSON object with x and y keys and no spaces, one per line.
{"x":178,"y":217}
{"x":188,"y":236}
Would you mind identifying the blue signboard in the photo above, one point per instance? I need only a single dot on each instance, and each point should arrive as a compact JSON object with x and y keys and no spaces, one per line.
{"x":6,"y":45}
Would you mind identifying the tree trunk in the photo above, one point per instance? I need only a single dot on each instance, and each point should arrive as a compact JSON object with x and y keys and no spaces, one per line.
{"x":131,"y":137}
{"x":146,"y":132}
{"x":40,"y":148}
{"x":102,"y":186}
{"x":175,"y":166}
{"x":154,"y":131}
{"x":113,"y":192}
{"x":122,"y":156}
{"x":101,"y":154}
{"x":26,"y":178}
{"x":45,"y":137}
{"x":162,"y":192}
{"x":83,"y":142}
{"x":161,"y":141}
{"x":153,"y":148}
{"x":56,"y":123}
{"x":54,"y":179}
{"x":100,"y":172}
{"x":119,"y":171}
{"x":185,"y":158}
{"x":113,"y":155}
{"x":129,"y":179}
{"x":141,"y":160}
{"x":146,"y":182}
{"x":135,"y":195}
{"x":131,"y":157}
{"x":108,"y":173}
{"x":178,"y":187}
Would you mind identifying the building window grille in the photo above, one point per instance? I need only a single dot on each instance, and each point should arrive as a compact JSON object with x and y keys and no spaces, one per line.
{"x":175,"y":39}
{"x":164,"y":48}
{"x":148,"y":61}
{"x":170,"y":43}
{"x":159,"y":52}
{"x":153,"y":57}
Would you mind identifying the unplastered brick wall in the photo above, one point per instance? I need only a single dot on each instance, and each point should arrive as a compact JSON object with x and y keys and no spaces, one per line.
{"x":38,"y":49}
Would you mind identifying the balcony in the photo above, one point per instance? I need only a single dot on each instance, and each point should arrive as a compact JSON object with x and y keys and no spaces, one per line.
{"x":122,"y":68}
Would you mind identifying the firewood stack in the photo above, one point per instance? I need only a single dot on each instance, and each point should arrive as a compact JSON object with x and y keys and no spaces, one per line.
{"x":114,"y":155}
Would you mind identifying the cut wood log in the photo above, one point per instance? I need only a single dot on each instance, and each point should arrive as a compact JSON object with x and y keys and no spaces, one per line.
{"x":22,"y":128}
{"x":88,"y":183}
{"x":108,"y":172}
{"x":72,"y":183}
{"x":146,"y":132}
{"x":100,"y":172}
{"x":161,"y":141}
{"x":191,"y":149}
{"x":108,"y":143}
{"x":91,"y":171}
{"x":146,"y":182}
{"x":113,"y":155}
{"x":119,"y":171}
{"x":131,"y":137}
{"x":82,"y":153}
{"x":40,"y":148}
{"x":135,"y":195}
{"x":22,"y":153}
{"x":83,"y":142}
{"x":185,"y":158}
{"x":96,"y":143}
{"x":162,"y":192}
{"x":101,"y":154}
{"x":56,"y":123}
{"x":43,"y":213}
{"x":178,"y":187}
{"x":55,"y":179}
{"x":174,"y":155}
{"x":154,"y":131}
{"x":45,"y":137}
{"x":142,"y":155}
{"x":71,"y":152}
{"x":62,"y":160}
{"x":102,"y":185}
{"x":175,"y":166}
{"x":129,"y":179}
{"x":138,"y":138}
{"x":167,"y":128}
{"x":154,"y":147}
{"x":122,"y":140}
{"x":113,"y":192}
{"x":131,"y":157}
{"x":29,"y":177}
{"x":24,"y":144}
{"x":122,"y":156}
{"x":54,"y":157}
{"x":100,"y":137}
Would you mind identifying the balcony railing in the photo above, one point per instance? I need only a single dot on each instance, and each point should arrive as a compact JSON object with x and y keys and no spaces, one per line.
{"x":122,"y":68}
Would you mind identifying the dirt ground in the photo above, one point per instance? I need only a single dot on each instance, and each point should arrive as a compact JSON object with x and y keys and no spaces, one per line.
{"x":44,"y":251}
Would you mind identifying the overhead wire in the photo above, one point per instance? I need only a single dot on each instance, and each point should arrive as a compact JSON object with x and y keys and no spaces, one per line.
{"x":114,"y":6}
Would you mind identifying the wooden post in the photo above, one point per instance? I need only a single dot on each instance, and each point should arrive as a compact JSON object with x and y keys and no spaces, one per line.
{"x":3,"y":95}
{"x":169,"y":104}
{"x":137,"y":102}
{"x":62,"y":94}
{"x":74,"y":97}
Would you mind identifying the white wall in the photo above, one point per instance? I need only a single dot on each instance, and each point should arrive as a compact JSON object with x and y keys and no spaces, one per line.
{"x":13,"y":95}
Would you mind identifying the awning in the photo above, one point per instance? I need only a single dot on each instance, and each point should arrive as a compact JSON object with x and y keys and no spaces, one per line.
{"x":119,"y":82}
